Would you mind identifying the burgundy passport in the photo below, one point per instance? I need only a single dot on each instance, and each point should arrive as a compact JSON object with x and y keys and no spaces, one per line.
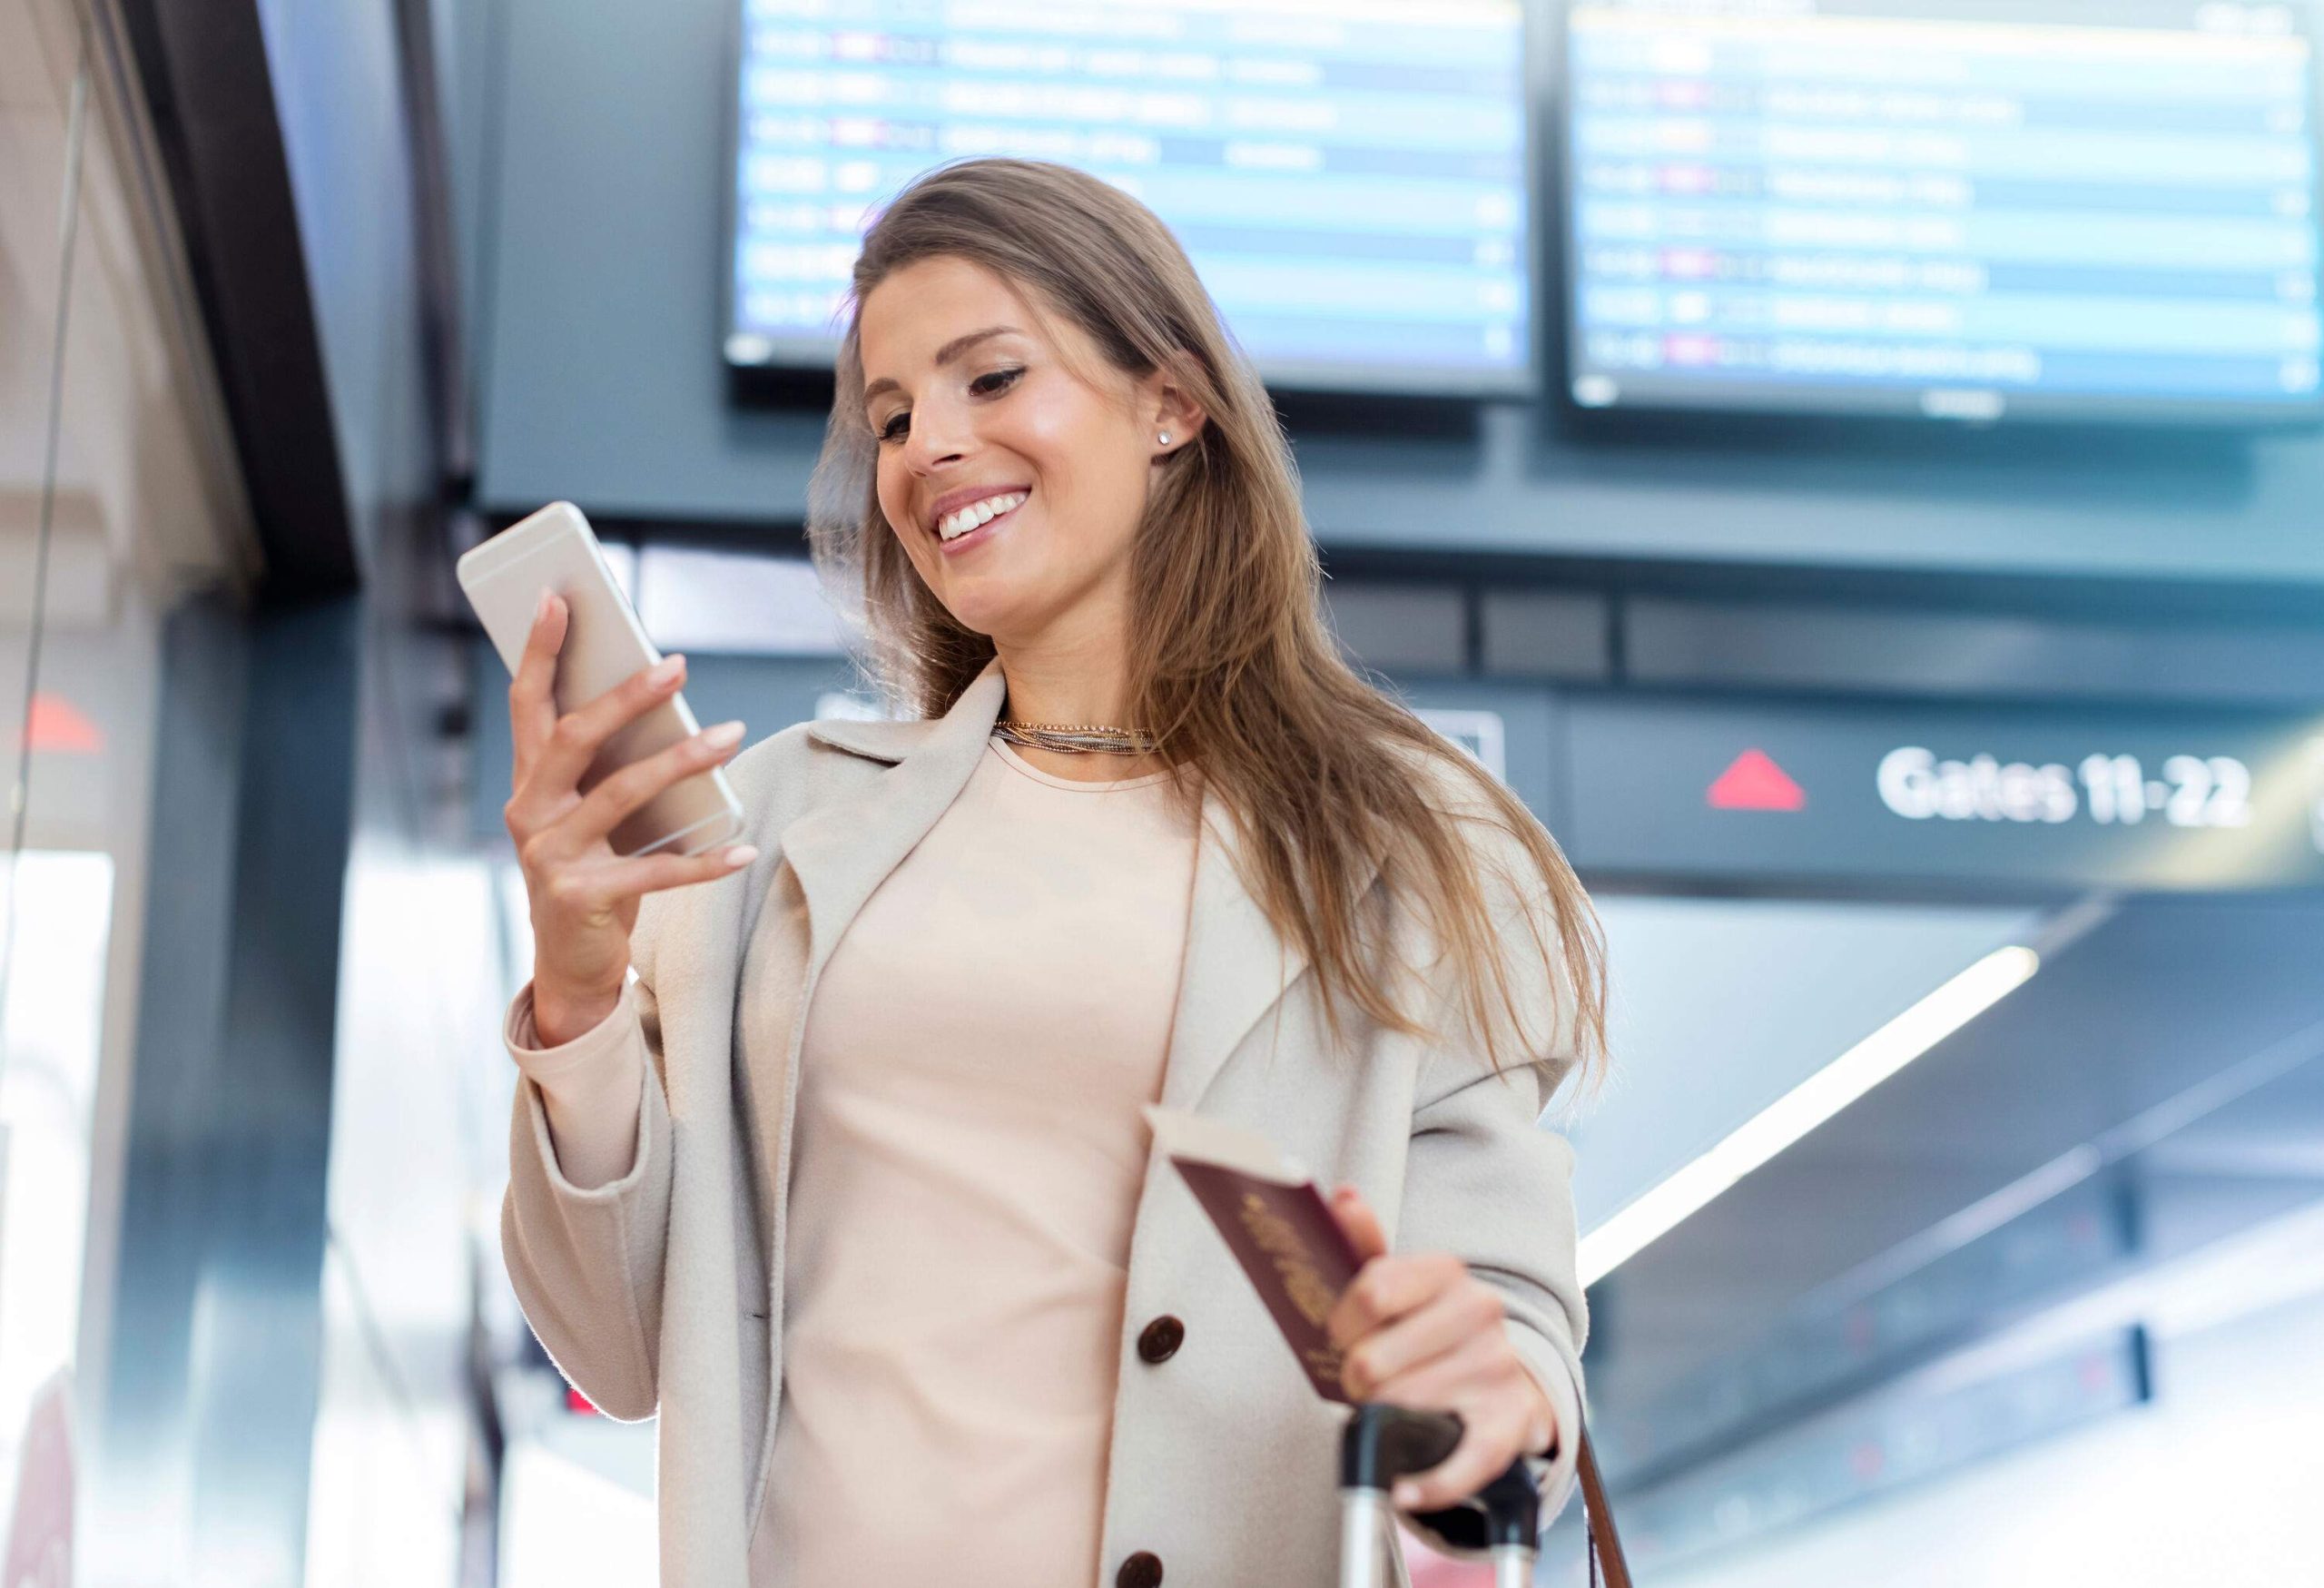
{"x":1276,"y":1223}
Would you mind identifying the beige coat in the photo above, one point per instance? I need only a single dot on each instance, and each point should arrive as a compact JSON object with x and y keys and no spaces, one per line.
{"x":663,"y":1290}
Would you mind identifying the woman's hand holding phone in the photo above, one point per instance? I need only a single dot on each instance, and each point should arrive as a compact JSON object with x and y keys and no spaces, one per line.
{"x":584,"y":895}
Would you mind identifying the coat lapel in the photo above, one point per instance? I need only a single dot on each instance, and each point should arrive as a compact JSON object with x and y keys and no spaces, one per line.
{"x":842,"y":852}
{"x":1237,"y":967}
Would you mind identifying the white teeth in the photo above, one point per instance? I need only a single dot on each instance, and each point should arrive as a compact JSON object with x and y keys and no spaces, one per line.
{"x":953,"y":526}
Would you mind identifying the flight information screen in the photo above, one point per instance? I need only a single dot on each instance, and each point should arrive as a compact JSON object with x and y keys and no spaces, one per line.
{"x":1350,"y":177}
{"x":1960,"y":208}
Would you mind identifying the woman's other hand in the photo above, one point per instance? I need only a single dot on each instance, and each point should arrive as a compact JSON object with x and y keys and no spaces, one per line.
{"x":1419,"y":1331}
{"x":585,"y":896}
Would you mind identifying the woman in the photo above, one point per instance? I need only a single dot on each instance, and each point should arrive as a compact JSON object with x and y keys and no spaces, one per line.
{"x":849,"y":1181}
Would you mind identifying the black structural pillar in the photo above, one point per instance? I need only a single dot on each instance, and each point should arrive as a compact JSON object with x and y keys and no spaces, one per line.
{"x":202,"y":68}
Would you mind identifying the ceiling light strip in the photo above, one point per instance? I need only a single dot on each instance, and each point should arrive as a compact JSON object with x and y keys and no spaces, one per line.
{"x":1807,"y":1105}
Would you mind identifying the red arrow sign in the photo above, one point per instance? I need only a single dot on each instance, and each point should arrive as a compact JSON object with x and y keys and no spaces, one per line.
{"x":1755,"y":783}
{"x":58,"y":726}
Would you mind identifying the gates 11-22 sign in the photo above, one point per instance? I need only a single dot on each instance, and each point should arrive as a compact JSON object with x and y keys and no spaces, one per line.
{"x":2191,"y":791}
{"x":1772,"y":790}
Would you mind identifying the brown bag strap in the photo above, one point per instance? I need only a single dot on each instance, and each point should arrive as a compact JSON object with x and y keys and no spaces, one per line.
{"x":1605,"y":1544}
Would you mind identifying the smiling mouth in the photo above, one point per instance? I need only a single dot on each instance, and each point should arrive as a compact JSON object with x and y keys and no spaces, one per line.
{"x":971,"y":523}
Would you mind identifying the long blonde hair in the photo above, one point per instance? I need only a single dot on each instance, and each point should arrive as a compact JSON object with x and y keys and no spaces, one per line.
{"x":1231,"y":663}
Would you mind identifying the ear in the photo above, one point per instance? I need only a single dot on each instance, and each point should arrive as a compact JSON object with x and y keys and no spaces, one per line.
{"x":1169,"y":411}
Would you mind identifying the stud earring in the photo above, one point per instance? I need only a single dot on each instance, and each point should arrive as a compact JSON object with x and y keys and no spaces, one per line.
{"x":1164,"y":438}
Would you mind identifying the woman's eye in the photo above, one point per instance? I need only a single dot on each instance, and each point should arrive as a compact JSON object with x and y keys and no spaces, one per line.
{"x":991,"y":385}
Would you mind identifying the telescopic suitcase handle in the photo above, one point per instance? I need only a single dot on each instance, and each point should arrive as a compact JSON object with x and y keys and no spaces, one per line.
{"x":1383,"y":1443}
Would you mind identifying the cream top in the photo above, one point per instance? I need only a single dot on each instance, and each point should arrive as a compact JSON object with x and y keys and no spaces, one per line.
{"x":967,"y":1158}
{"x":965,"y":1169}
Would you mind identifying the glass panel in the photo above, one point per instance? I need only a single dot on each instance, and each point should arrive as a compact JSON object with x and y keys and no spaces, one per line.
{"x":78,"y":465}
{"x":55,"y":881}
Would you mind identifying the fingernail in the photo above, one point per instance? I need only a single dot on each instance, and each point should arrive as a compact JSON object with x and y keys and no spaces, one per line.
{"x":541,"y":611}
{"x":1406,"y":1494}
{"x":742,"y":855}
{"x":667,"y":669}
{"x":723,"y":735}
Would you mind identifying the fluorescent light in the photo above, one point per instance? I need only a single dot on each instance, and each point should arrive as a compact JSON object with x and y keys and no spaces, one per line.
{"x":1807,"y":1105}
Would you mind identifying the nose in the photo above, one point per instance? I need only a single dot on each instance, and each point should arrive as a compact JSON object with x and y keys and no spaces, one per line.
{"x":940,"y":435}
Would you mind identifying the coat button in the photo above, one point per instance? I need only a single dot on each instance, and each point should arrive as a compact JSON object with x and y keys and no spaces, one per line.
{"x":1160,"y":1340}
{"x":1142,"y":1570}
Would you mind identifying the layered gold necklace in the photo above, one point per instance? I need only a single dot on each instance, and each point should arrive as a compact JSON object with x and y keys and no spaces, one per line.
{"x":1076,"y":738}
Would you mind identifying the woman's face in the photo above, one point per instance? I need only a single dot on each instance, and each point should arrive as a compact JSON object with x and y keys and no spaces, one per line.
{"x":971,"y":399}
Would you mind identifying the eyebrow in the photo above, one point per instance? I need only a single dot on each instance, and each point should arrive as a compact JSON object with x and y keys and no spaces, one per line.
{"x":944,"y":355}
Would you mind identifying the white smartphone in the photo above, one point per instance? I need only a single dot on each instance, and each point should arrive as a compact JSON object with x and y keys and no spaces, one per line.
{"x":556,"y":549}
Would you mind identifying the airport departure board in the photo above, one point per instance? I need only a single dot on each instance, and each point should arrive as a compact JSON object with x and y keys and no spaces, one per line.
{"x":1351,"y":178}
{"x":1962,"y":209}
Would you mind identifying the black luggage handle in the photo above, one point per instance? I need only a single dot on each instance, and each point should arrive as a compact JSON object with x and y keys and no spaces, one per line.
{"x":1382,"y":1443}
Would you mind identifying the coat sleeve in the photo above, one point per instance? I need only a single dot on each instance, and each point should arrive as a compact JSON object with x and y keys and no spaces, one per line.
{"x":1487,"y":1181}
{"x":586,"y":1262}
